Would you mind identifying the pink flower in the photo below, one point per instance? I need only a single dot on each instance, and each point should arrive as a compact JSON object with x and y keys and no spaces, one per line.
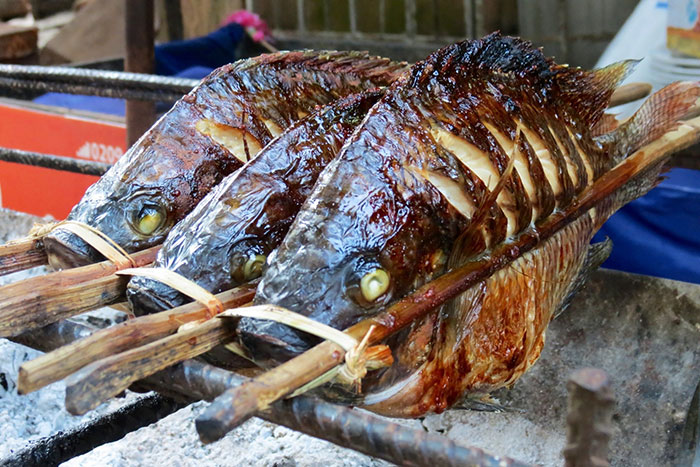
{"x":254,"y":25}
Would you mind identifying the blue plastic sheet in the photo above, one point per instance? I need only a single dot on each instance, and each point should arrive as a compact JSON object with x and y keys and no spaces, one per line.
{"x":211,"y":51}
{"x":659,"y":234}
{"x":193,"y":58}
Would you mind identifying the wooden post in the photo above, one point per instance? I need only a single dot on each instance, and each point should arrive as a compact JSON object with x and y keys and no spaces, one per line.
{"x":140,"y":115}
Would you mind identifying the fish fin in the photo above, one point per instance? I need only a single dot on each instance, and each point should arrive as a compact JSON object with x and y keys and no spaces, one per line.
{"x":596,"y":255}
{"x":606,"y":124}
{"x":484,"y":403}
{"x":589,"y":92}
{"x":462,"y":244}
{"x":512,"y":61}
{"x":659,"y":114}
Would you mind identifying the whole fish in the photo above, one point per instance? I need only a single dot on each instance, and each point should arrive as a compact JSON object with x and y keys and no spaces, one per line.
{"x":208,"y":134}
{"x":224,"y":241}
{"x":479,"y":144}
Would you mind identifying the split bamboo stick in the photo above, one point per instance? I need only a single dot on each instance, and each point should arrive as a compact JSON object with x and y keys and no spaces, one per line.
{"x":343,"y":426}
{"x":21,"y":255}
{"x":238,"y":404}
{"x":41,"y":300}
{"x":110,"y":376}
{"x":124,"y":336}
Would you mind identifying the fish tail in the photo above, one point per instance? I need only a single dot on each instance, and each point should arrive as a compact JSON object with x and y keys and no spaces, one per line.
{"x":658,"y":115}
{"x":643,"y":170}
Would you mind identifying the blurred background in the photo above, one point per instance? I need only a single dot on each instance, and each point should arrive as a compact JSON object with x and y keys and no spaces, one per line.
{"x":574,"y":31}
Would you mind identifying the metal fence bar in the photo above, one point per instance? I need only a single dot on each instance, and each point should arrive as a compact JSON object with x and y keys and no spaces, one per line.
{"x":50,"y":161}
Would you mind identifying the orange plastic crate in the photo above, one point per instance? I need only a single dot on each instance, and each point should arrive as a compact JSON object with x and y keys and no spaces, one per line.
{"x":41,"y":191}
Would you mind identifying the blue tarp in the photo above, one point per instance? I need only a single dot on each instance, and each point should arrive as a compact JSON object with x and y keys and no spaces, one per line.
{"x":193,"y":58}
{"x":659,"y":234}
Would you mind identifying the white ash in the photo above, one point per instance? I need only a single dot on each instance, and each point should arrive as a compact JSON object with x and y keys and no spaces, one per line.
{"x":173,"y":440}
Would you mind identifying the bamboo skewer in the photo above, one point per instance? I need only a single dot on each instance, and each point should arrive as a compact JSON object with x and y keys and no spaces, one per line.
{"x":21,"y":255}
{"x":41,"y":300}
{"x":343,"y":426}
{"x":237,"y":405}
{"x":70,"y":277}
{"x":127,"y":335}
{"x":629,"y":93}
{"x":110,"y":376}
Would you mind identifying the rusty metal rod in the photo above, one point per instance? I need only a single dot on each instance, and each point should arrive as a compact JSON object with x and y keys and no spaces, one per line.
{"x":64,"y":445}
{"x":343,"y":426}
{"x":118,"y":84}
{"x":51,"y":161}
{"x":85,"y":89}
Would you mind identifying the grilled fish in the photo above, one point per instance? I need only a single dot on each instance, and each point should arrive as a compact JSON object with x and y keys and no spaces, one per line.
{"x":224,"y":241}
{"x":478,"y":145}
{"x":208,"y":134}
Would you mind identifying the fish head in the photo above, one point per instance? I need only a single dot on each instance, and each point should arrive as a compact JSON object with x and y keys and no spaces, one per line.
{"x":223,"y":230}
{"x":331,"y":285}
{"x":354,"y":248}
{"x":134,"y":205}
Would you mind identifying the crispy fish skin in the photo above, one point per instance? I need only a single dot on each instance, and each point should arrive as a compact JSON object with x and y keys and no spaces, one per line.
{"x":482,"y":142}
{"x":207,"y":135}
{"x":247,"y":215}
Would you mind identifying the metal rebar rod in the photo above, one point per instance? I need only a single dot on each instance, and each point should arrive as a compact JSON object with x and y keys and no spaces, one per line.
{"x":343,"y":426}
{"x":81,"y":81}
{"x":19,"y":87}
{"x":53,"y":162}
{"x":64,"y":445}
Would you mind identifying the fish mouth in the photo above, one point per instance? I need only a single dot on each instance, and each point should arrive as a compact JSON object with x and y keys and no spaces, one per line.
{"x":268,"y":340}
{"x":66,"y":250}
{"x":148,"y":296}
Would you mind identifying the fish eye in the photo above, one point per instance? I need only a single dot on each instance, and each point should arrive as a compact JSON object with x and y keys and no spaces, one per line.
{"x":149,"y":219}
{"x":253,"y":267}
{"x":374,"y":284}
{"x":246,"y":268}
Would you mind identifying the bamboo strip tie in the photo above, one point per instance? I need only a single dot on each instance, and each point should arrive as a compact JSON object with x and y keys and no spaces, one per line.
{"x":359,"y":357}
{"x":181,"y":284}
{"x":93,"y":237}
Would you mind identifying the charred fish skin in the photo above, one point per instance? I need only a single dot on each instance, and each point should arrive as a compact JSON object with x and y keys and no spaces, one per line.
{"x":247,"y":215}
{"x":405,"y":186}
{"x":478,"y":145}
{"x":208,"y":134}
